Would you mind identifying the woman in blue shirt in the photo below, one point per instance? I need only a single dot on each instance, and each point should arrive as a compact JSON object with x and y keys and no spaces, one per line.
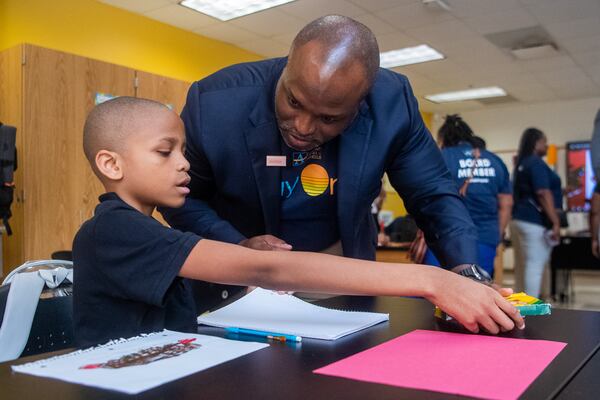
{"x":484,"y":184}
{"x":536,"y":223}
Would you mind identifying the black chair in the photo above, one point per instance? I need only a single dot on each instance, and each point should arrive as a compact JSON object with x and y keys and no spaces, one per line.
{"x":52,"y":325}
{"x":62,"y":255}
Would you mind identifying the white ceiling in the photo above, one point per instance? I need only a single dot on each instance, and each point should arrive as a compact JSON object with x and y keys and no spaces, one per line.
{"x":471,"y":60}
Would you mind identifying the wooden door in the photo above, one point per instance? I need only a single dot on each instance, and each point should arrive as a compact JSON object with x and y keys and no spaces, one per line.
{"x":171,"y":92}
{"x":60,"y":190}
{"x":11,"y":108}
{"x":166,"y":90}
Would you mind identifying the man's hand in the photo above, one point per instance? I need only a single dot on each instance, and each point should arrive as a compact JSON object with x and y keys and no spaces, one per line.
{"x":474,"y":305}
{"x":265,"y":242}
{"x":595,"y":251}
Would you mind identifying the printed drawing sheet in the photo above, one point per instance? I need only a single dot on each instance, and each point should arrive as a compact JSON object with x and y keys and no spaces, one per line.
{"x":140,"y":363}
{"x":270,"y":311}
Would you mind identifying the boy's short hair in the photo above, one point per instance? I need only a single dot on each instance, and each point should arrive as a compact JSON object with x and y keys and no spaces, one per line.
{"x":109,"y":124}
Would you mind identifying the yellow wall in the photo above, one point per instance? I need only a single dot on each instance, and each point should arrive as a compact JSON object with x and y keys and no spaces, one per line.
{"x":96,"y":30}
{"x":393,"y":202}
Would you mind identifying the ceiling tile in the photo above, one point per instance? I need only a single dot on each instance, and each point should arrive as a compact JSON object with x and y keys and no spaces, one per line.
{"x":396,"y":40}
{"x":138,"y":6}
{"x":575,"y":28}
{"x":470,"y":8}
{"x":589,"y":59}
{"x":550,"y":11}
{"x":530,"y":91}
{"x":546,"y":64}
{"x":378,"y":5}
{"x":570,"y":74}
{"x":577,"y":89}
{"x":580,"y":44}
{"x":309,"y":10}
{"x":181,"y":17}
{"x":413,"y":15}
{"x":501,"y":21}
{"x":476,"y":53}
{"x":227,"y":33}
{"x":437,"y":34}
{"x":269,"y":23}
{"x":377,"y":25}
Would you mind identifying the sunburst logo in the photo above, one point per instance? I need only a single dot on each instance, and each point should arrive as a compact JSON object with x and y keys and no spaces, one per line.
{"x":315,"y":179}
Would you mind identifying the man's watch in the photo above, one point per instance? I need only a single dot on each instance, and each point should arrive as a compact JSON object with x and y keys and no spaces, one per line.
{"x":475,"y":272}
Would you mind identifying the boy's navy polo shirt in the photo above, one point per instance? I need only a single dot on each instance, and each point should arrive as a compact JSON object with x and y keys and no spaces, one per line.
{"x":489,"y":178}
{"x":531,"y":175}
{"x":126,"y":282}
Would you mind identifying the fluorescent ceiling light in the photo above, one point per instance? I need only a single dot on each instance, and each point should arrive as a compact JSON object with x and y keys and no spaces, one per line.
{"x":229,"y":9}
{"x":409,"y":55}
{"x":471,"y":94}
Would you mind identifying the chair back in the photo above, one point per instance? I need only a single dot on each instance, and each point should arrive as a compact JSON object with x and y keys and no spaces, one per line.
{"x":36,"y":309}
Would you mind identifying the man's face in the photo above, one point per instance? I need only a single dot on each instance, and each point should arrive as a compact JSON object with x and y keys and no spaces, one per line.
{"x":316,"y":99}
{"x":154,"y":165}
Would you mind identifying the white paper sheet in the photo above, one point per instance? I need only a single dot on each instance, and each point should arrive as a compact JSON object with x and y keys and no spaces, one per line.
{"x":137,"y":378}
{"x":266,"y":310}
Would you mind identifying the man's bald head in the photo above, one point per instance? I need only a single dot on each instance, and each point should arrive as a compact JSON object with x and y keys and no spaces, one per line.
{"x":109,"y":124}
{"x":344,"y":41}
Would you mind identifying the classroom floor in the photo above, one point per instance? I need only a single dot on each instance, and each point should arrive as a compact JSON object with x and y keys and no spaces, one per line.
{"x":584,"y":290}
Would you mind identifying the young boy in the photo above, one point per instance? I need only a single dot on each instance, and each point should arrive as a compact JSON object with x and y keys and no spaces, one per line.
{"x":130,"y":269}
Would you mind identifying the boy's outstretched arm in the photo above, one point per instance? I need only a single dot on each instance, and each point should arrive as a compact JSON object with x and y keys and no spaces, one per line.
{"x":474,"y":305}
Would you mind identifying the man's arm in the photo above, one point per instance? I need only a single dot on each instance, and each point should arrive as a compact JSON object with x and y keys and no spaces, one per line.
{"x":472,"y":304}
{"x":419,"y":174}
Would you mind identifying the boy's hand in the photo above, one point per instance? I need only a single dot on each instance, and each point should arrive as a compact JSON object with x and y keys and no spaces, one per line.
{"x":475,"y":305}
{"x":265,"y":242}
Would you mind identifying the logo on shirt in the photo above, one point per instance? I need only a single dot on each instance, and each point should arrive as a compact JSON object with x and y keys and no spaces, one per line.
{"x":300,"y":157}
{"x":476,"y":169}
{"x":314,"y":180}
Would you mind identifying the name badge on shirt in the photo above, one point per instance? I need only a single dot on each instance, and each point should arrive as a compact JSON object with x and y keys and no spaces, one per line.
{"x":276,"y":161}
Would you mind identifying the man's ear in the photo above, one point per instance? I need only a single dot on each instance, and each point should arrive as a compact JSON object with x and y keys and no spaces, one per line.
{"x":109,"y":165}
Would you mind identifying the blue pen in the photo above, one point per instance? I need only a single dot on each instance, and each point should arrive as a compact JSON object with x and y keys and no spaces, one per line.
{"x":269,"y":335}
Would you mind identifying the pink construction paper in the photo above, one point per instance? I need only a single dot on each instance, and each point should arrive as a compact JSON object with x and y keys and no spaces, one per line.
{"x":473,"y":365}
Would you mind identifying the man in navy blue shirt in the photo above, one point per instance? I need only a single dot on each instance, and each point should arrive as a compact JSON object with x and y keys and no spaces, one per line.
{"x":290,"y":152}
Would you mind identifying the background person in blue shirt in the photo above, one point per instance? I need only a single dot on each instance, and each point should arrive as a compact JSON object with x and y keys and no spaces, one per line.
{"x":536,"y":224}
{"x":484,"y":184}
{"x":336,"y":122}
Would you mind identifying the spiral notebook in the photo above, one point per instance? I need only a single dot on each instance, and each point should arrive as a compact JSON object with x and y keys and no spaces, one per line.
{"x":265,"y":310}
{"x":142,"y":362}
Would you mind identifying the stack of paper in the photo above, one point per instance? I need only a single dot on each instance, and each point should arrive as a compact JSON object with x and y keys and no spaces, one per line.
{"x":140,"y":363}
{"x":265,"y":310}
